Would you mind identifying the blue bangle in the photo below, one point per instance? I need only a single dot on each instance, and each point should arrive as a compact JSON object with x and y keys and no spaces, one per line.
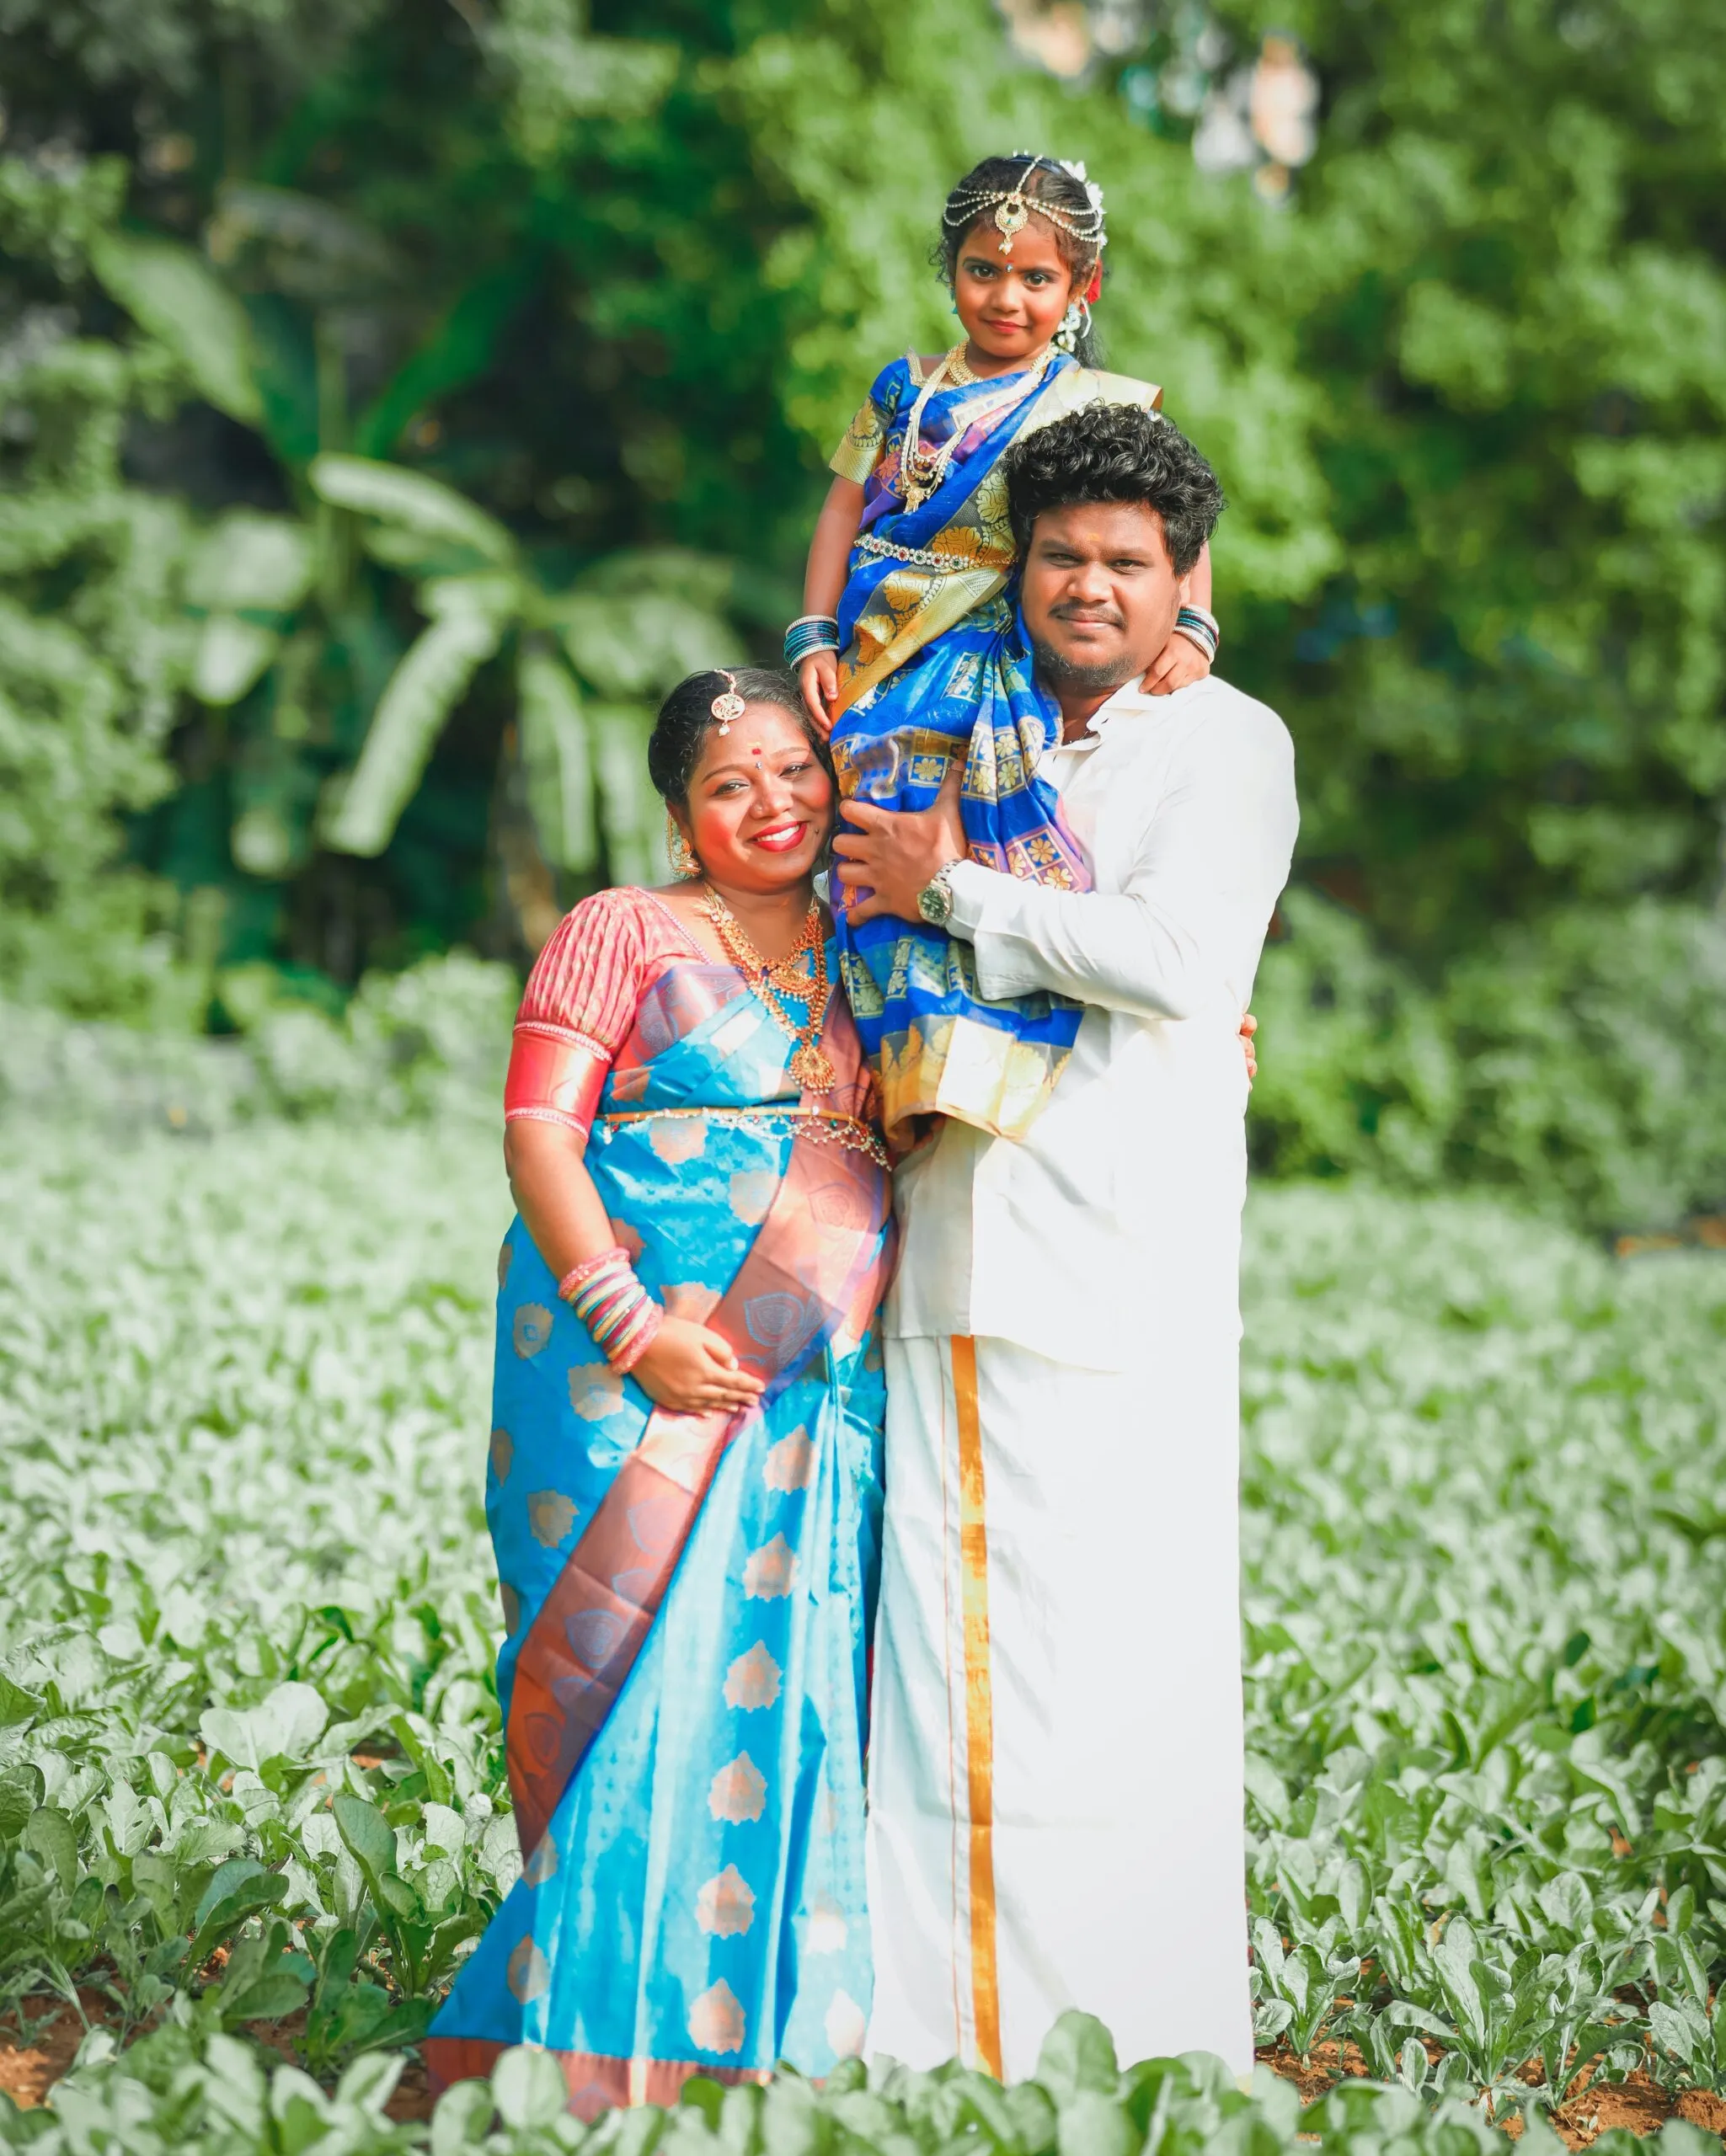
{"x":1198,"y":627}
{"x":808,"y":633}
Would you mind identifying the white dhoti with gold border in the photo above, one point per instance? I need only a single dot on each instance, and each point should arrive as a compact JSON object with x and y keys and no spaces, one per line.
{"x":1056,"y":1767}
{"x":1056,"y":1771}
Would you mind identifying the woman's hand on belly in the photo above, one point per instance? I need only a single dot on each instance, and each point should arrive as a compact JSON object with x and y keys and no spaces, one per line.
{"x":692,"y":1371}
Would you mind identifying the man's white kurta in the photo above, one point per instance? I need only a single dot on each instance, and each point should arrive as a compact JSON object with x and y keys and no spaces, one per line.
{"x":1055,"y":1760}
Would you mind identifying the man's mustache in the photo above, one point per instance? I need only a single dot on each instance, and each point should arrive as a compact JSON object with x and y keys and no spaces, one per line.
{"x":1074,"y":609}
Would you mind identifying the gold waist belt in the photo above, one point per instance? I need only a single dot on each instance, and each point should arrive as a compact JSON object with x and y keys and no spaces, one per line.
{"x":821,"y":1125}
{"x":925,"y":557}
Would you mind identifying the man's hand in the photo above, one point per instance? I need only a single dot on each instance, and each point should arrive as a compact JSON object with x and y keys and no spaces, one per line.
{"x":1179,"y":662}
{"x":893,"y":852}
{"x":819,"y":678}
{"x":1249,"y":1047}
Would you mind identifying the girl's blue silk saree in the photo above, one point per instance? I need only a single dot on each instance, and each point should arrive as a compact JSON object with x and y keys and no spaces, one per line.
{"x":936,"y":666}
{"x":688,"y":1597}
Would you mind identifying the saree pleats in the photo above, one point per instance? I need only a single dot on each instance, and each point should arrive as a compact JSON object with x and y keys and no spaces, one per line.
{"x":688,"y":1597}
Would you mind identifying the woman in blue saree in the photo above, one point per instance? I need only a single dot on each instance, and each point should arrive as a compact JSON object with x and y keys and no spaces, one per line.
{"x":684,"y":1485}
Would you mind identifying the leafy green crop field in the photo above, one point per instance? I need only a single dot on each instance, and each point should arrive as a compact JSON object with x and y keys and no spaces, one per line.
{"x":250,"y":1779}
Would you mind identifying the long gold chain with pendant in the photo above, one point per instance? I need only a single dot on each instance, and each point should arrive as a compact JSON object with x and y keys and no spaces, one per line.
{"x":922,"y":470}
{"x":770,"y":978}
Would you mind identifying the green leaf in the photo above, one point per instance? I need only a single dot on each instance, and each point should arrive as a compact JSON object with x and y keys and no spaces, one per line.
{"x":412,"y":502}
{"x":231,"y":655}
{"x":50,"y":1835}
{"x":556,"y":762}
{"x":240,"y":1888}
{"x":405,"y":2023}
{"x":1680,"y":2033}
{"x":284,"y":1724}
{"x":267,"y":1998}
{"x":355,"y":2013}
{"x":1354,"y":1895}
{"x":1267,"y":1789}
{"x":1567,"y":1901}
{"x":369,"y":2084}
{"x":464,"y":2115}
{"x":248,"y":559}
{"x":1093,"y":2124}
{"x":458,"y":349}
{"x":172,"y":292}
{"x":17,"y":1708}
{"x":1077,"y":2053}
{"x":631,"y":812}
{"x":367,"y":1833}
{"x":628,"y":645}
{"x":16,"y":1806}
{"x":417,"y":700}
{"x":398,"y":1897}
{"x":235,"y":2088}
{"x":528,"y":2088}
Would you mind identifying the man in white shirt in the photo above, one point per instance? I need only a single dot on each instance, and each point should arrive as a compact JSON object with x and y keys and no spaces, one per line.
{"x":1056,"y":1750}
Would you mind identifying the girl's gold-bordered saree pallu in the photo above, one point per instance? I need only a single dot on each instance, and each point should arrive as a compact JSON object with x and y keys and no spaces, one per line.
{"x":688,"y":1596}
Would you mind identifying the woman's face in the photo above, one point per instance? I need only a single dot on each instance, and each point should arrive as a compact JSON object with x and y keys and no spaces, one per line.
{"x":760,"y":803}
{"x":1011,"y":304}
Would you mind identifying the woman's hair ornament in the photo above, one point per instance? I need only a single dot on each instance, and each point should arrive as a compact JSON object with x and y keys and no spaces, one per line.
{"x":727,"y":705}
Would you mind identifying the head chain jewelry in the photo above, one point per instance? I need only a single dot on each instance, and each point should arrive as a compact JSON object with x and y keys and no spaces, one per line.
{"x":727,"y":705}
{"x":1013,"y":207}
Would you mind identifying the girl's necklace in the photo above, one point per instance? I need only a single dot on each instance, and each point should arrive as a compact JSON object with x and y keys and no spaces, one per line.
{"x":770,"y":978}
{"x":922,"y":470}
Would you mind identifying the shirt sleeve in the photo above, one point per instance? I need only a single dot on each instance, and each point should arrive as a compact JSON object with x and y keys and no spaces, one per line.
{"x":860,"y":450}
{"x":575,"y":1013}
{"x":1184,"y":934}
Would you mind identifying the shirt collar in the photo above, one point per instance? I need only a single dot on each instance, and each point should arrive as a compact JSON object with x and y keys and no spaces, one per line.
{"x":1131,"y":702}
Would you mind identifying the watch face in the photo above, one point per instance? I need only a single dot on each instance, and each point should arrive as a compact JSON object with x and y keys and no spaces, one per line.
{"x":935,"y":902}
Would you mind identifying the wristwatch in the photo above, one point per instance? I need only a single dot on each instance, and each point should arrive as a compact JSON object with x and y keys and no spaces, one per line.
{"x":935,"y":900}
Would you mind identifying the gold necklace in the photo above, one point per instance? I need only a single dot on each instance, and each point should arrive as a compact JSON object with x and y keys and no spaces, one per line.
{"x":770,"y":977}
{"x":922,"y":470}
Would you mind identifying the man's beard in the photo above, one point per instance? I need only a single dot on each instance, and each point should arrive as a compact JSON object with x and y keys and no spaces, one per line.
{"x":1059,"y":672}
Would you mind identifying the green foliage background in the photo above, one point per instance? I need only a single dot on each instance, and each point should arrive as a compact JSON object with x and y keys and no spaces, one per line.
{"x":589,"y":295}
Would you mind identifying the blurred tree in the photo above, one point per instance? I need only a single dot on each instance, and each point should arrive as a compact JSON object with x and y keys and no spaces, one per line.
{"x":1511,"y":306}
{"x":613,"y":283}
{"x":93,"y":655}
{"x":452,"y":254}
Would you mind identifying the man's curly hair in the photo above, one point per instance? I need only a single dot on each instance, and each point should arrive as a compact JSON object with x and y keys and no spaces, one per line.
{"x":1115,"y":453}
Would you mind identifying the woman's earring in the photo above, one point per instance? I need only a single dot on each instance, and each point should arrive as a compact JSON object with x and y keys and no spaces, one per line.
{"x":685,"y":864}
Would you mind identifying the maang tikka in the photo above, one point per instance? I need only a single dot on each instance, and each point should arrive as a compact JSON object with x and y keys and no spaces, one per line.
{"x":728,"y":705}
{"x":1012,"y":207}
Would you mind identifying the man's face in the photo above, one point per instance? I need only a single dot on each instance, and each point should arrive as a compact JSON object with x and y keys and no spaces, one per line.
{"x":1100,"y":593}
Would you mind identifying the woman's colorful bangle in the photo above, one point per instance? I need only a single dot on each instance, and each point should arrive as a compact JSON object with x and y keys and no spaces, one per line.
{"x":577,"y":1273}
{"x":809,"y":634}
{"x":617,"y":1311}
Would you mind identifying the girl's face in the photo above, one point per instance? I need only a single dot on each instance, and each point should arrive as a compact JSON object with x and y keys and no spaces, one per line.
{"x":759,"y":804}
{"x":1011,"y":304}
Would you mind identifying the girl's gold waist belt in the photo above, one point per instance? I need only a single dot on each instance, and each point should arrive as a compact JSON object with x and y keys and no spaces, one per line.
{"x":820,"y":1125}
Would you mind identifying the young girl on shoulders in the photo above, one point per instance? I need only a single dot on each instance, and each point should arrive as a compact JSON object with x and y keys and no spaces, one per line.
{"x":911,"y":650}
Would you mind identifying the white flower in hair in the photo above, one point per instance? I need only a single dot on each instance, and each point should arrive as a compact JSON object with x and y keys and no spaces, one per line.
{"x":1078,"y":171}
